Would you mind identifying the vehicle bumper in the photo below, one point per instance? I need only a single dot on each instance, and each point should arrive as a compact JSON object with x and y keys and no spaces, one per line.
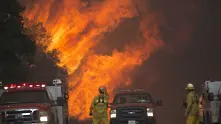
{"x":138,"y":121}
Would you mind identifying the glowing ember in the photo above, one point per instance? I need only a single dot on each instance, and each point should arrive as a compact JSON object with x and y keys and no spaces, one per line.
{"x":76,"y":28}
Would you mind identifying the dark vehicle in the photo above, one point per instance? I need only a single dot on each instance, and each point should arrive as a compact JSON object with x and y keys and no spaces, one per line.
{"x":29,"y":103}
{"x":133,"y":107}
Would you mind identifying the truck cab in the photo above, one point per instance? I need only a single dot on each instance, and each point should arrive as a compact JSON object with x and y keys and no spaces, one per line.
{"x":133,"y":107}
{"x":32,"y":103}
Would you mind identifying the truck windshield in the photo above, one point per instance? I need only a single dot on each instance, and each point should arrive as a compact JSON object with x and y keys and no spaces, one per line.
{"x":132,"y":98}
{"x":24,"y":97}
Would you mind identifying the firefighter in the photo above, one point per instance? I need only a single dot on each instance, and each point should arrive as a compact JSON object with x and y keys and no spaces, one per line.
{"x":192,"y":108}
{"x":99,"y":106}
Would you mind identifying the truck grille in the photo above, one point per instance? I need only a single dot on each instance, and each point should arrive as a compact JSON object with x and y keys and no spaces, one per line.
{"x":131,"y":113}
{"x":20,"y":116}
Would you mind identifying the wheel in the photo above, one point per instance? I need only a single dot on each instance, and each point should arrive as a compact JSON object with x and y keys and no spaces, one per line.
{"x":154,"y":122}
{"x":67,"y":120}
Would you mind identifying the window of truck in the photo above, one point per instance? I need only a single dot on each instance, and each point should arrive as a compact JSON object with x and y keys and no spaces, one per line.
{"x":132,"y":98}
{"x":31,"y":96}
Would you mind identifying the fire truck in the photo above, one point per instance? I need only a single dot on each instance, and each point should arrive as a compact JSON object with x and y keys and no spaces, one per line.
{"x":33,"y":103}
{"x":133,"y":107}
{"x":211,"y":92}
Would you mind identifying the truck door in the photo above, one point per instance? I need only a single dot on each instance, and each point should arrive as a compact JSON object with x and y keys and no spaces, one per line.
{"x":53,"y":107}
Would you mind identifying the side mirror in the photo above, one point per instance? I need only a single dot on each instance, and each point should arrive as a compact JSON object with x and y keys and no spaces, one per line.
{"x":210,"y":96}
{"x":60,"y":101}
{"x":159,"y":103}
{"x":219,"y":97}
{"x":66,"y":96}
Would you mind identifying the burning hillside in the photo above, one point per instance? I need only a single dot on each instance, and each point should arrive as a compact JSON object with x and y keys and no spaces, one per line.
{"x":77,"y":27}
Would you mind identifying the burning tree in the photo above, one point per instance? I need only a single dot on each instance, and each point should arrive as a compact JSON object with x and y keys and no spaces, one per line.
{"x":23,"y":57}
{"x":45,"y":66}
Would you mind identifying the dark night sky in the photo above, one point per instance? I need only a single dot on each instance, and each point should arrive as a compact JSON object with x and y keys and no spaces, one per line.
{"x":194,"y":56}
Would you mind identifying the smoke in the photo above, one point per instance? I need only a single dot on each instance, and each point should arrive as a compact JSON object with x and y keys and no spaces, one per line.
{"x":191,"y":54}
{"x":179,"y":23}
{"x":176,"y":22}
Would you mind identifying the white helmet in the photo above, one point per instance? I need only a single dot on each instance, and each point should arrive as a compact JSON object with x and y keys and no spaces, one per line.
{"x":190,"y":86}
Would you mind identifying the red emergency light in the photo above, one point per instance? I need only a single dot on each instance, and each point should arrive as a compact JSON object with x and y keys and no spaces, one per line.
{"x":24,"y":85}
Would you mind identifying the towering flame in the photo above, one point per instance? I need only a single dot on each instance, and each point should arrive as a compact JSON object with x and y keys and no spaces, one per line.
{"x":77,"y":27}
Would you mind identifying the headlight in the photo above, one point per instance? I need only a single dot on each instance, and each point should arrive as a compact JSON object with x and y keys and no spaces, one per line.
{"x":43,"y":116}
{"x":113,"y":113}
{"x":150,"y":112}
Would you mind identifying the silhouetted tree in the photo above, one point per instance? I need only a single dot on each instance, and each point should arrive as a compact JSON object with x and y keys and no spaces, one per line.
{"x":16,"y":49}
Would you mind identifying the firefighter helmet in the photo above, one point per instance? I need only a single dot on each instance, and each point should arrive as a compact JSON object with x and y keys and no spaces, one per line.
{"x":102,"y":89}
{"x":190,"y":86}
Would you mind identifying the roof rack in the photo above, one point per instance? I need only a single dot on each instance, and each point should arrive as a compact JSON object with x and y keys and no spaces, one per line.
{"x":125,"y":90}
{"x":131,"y":90}
{"x":138,"y":90}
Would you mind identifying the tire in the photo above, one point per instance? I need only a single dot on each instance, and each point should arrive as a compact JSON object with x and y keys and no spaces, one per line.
{"x":154,"y":122}
{"x":67,"y":120}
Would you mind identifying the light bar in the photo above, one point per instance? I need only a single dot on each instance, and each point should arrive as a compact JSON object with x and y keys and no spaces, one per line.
{"x":24,"y":85}
{"x":12,"y":86}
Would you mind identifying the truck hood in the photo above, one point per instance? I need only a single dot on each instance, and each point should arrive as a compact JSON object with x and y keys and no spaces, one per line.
{"x":147,"y":105}
{"x":41,"y":106}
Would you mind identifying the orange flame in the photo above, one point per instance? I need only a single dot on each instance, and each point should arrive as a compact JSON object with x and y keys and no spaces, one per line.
{"x":76,"y":29}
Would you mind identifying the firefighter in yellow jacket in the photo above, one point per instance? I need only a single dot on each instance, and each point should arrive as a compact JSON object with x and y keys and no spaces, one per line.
{"x":192,"y":108}
{"x":99,"y":107}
